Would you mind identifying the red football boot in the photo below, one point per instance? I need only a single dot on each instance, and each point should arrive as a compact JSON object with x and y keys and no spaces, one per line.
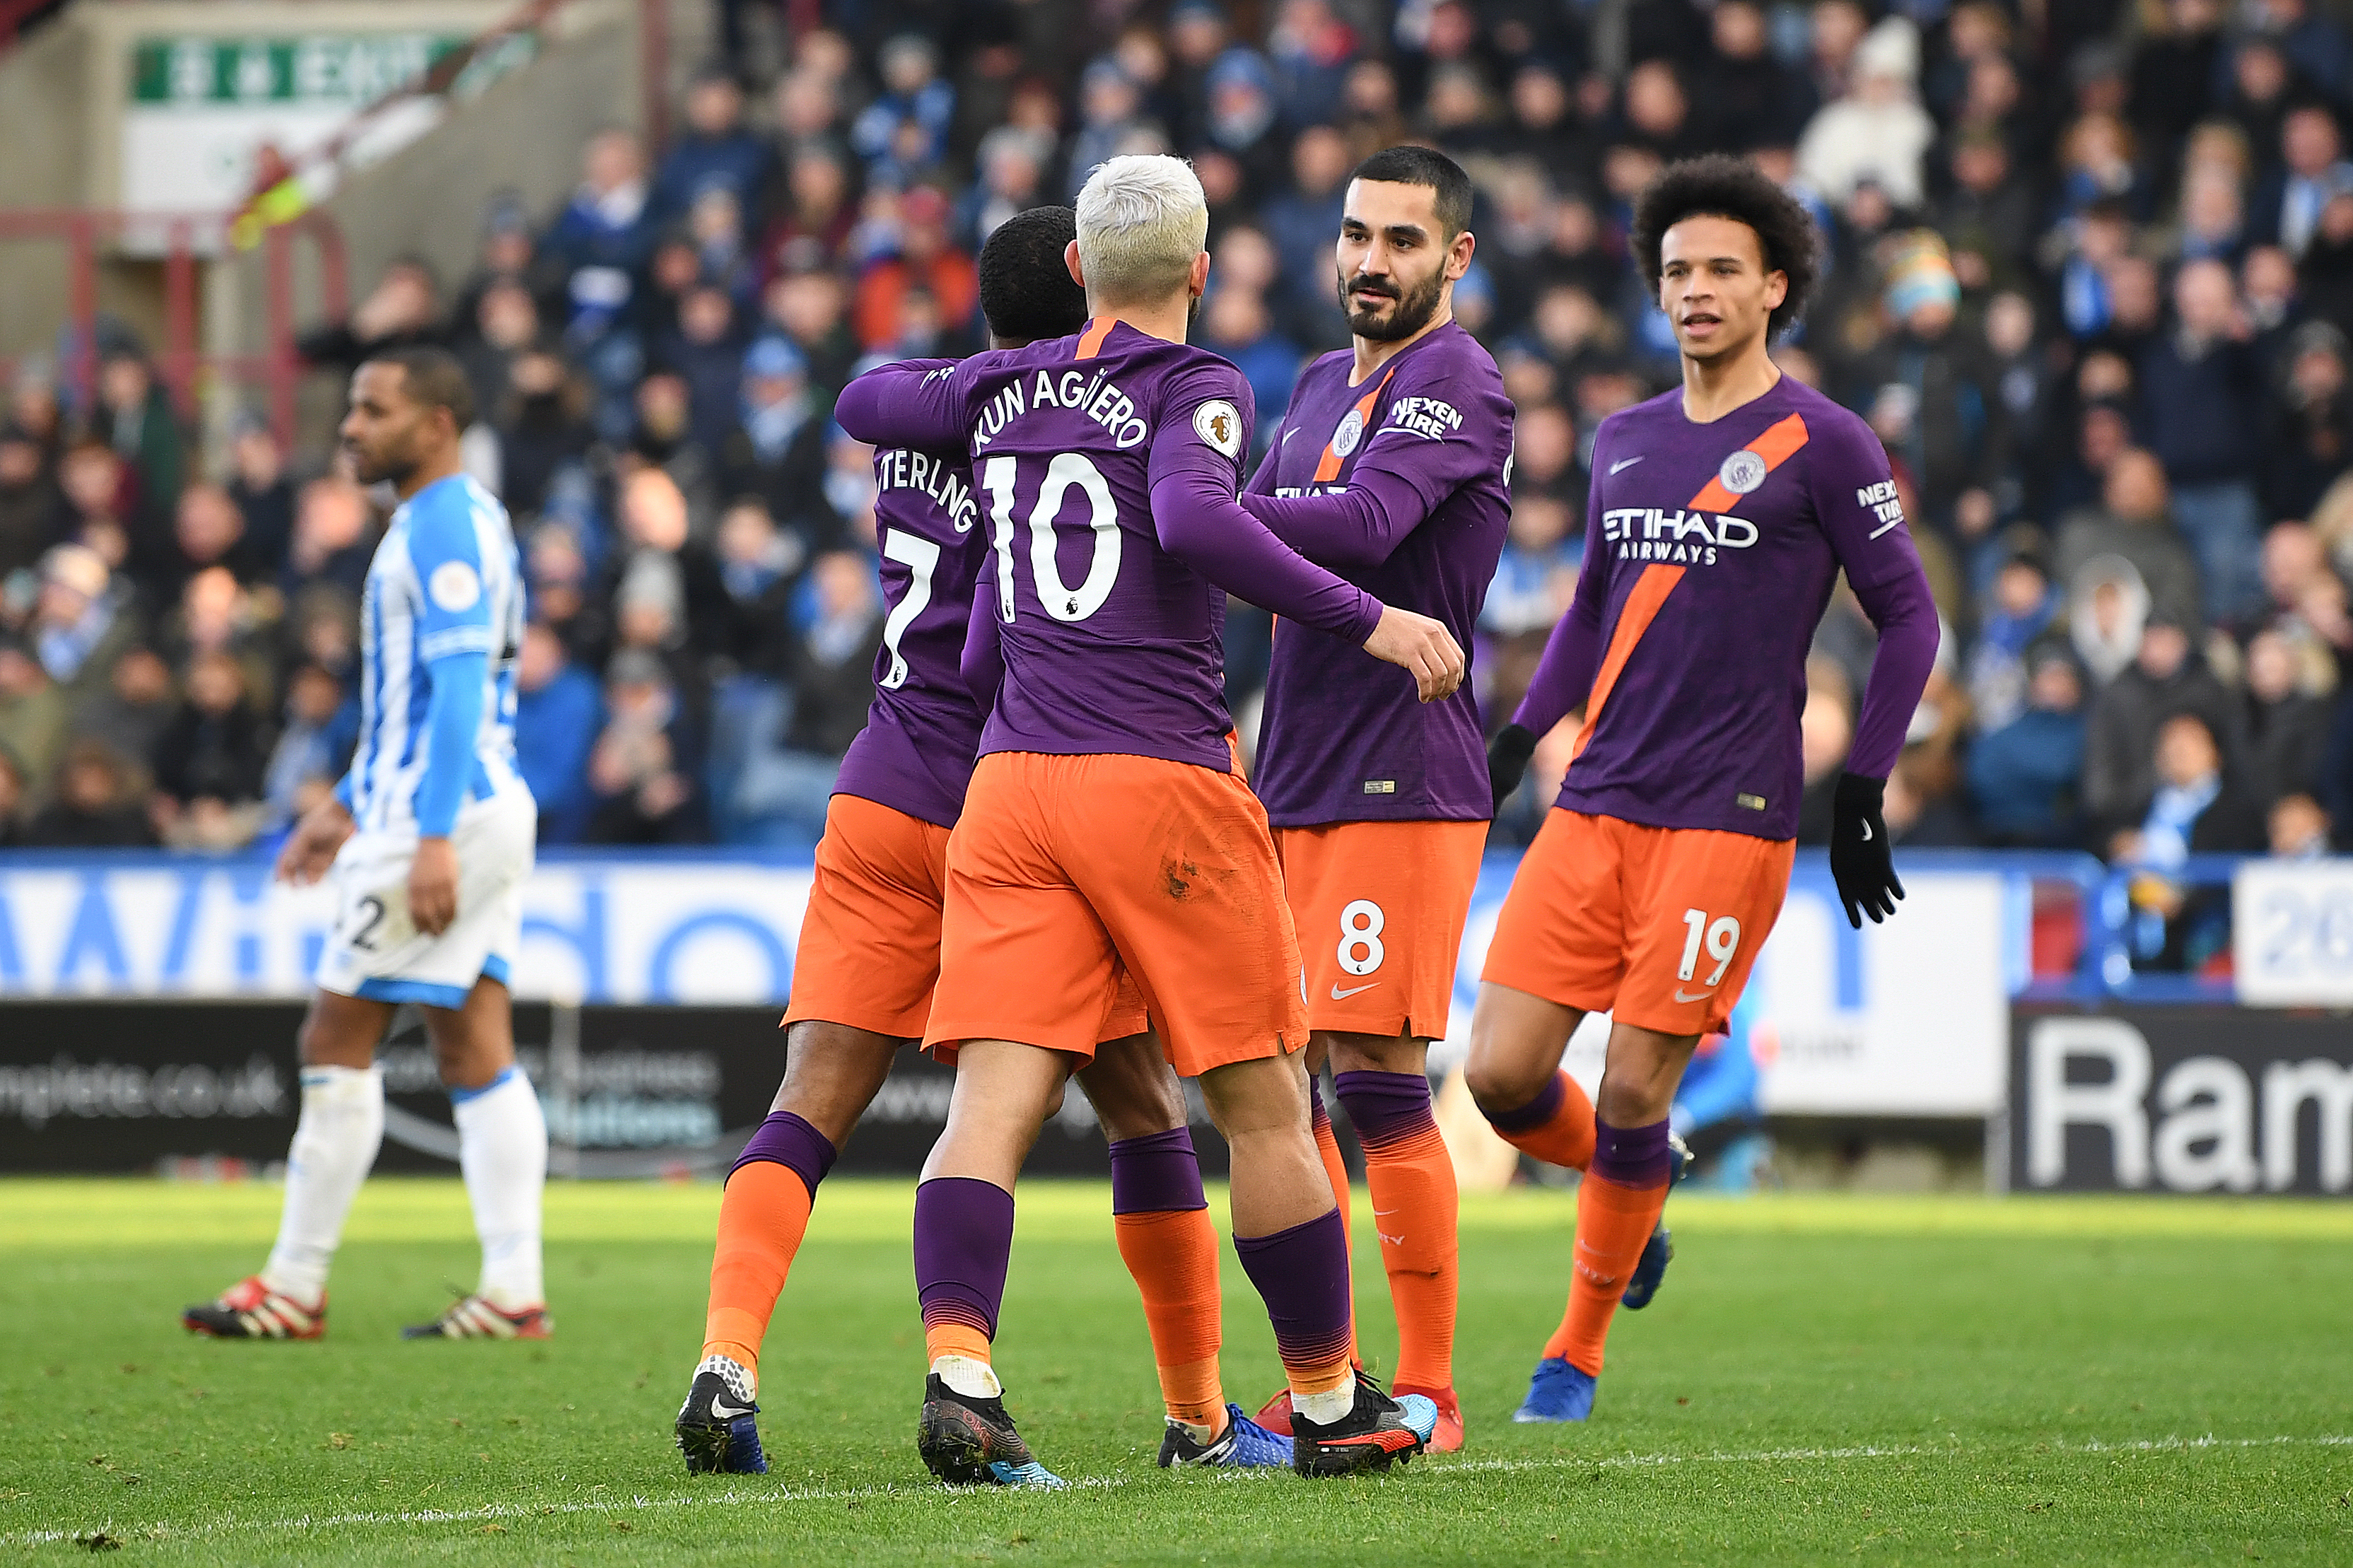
{"x":1448,"y":1438}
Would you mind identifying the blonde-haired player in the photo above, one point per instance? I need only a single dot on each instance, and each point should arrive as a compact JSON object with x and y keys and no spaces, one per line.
{"x":1106,"y":823}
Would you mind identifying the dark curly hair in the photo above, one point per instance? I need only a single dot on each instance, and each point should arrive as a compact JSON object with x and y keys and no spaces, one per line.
{"x":1027,"y":292}
{"x":1727,"y":187}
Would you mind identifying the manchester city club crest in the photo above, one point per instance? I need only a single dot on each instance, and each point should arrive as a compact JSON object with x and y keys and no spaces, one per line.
{"x":1742,"y":472}
{"x":1351,"y":431}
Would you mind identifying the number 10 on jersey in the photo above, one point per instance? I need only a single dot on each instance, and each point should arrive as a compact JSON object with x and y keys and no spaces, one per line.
{"x":1064,"y":472}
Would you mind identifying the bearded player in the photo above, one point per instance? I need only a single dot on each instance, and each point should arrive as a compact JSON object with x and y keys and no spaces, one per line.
{"x":869,"y":957}
{"x":1389,"y":468}
{"x":1720,"y":515}
{"x":1107,"y":825}
{"x":430,"y":838}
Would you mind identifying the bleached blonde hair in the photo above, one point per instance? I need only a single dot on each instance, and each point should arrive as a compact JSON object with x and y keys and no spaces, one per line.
{"x":1141,"y":220}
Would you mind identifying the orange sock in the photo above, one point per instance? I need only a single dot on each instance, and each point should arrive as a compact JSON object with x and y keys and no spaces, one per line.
{"x":1612,"y":1224}
{"x":1327,"y":1144}
{"x":1411,"y":1177}
{"x":1556,"y":1126}
{"x":951,"y":1338}
{"x":762,"y":1218}
{"x":1173,"y":1253}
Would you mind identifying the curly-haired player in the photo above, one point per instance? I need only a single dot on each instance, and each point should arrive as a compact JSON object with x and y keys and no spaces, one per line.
{"x":1720,"y":515}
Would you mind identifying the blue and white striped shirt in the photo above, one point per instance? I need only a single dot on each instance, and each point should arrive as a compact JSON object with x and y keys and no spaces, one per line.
{"x":447,"y":580}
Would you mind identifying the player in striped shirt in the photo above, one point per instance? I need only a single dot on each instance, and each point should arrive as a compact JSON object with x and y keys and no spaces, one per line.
{"x":429,"y":838}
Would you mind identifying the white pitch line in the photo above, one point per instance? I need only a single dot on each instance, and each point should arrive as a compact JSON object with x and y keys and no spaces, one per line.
{"x":1431,"y":1471}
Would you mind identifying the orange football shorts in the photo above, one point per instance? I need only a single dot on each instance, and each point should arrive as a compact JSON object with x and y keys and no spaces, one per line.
{"x":1065,"y":869}
{"x":1658,"y":925}
{"x":869,"y":954}
{"x":1379,"y":908}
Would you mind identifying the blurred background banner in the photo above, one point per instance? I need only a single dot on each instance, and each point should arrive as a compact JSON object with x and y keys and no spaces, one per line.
{"x":207,"y":1089}
{"x":681,"y":928}
{"x":2293,"y":934}
{"x":2182,"y":1099}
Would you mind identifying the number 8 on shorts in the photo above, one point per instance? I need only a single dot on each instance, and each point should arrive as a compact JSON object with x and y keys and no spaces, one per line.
{"x":1360,"y":937}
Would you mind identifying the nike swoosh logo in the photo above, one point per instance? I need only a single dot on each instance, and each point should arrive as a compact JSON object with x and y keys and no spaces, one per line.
{"x":1625,"y":463}
{"x":1866,"y":832}
{"x":1340,"y":996}
{"x":721,"y":1411}
{"x":1694,"y":996}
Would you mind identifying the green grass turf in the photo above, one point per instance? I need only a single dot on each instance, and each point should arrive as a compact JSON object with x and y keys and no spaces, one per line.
{"x":1822,"y":1378}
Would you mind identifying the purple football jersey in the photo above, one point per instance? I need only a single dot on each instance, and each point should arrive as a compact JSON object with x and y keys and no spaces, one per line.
{"x":1711,"y":551}
{"x":1112,"y":643}
{"x":923,"y":732}
{"x":1345,"y":738}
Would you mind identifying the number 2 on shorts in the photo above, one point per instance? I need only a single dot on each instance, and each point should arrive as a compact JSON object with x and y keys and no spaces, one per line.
{"x":1723,"y":939}
{"x":1360,"y":937}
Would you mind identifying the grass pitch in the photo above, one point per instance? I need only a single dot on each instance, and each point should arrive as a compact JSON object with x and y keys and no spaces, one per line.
{"x":1894,"y":1380}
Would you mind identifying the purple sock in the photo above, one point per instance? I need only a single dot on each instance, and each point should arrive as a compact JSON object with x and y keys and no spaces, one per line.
{"x":1156,"y":1174}
{"x":785,"y":1140}
{"x":964,"y":1239}
{"x":1535,"y":1113}
{"x":1385,"y":1107}
{"x":1302,"y":1275}
{"x":1631,"y":1156}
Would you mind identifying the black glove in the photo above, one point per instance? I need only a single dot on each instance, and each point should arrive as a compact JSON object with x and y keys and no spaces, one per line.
{"x":1507,"y":760}
{"x":1861,"y":860}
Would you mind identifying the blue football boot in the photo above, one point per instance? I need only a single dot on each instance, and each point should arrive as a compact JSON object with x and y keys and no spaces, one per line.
{"x":1244,"y":1445}
{"x":1558,"y":1391}
{"x":1659,"y":1250}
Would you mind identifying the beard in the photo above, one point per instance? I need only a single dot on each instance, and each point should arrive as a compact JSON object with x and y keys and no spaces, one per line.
{"x":1411,"y":312}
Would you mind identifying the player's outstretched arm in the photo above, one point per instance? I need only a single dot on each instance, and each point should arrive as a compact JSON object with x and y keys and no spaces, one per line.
{"x":915,"y":402}
{"x":1199,"y":521}
{"x":1360,"y":526}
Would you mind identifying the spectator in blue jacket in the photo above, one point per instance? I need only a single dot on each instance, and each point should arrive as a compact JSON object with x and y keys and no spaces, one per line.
{"x":559,"y":709}
{"x":2203,"y":394}
{"x":715,"y":153}
{"x":2025,"y":778}
{"x":602,"y":241}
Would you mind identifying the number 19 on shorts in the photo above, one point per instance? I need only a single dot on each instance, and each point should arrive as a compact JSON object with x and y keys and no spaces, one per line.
{"x":1721,"y":939}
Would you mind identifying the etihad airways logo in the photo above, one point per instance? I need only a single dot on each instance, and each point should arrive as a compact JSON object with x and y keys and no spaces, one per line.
{"x":1661,"y":534}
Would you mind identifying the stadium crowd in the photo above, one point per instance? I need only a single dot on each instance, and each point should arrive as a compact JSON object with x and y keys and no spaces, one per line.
{"x":2091,"y":279}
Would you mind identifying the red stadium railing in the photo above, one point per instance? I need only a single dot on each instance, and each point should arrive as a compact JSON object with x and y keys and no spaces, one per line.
{"x":181,"y":362}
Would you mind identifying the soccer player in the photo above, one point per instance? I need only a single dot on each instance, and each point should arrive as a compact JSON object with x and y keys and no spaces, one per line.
{"x":1389,"y":468}
{"x":1106,"y":825}
{"x":869,"y":957}
{"x":430,"y":837}
{"x":1720,"y":515}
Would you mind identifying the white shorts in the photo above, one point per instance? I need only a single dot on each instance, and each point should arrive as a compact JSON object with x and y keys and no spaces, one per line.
{"x":376,"y":951}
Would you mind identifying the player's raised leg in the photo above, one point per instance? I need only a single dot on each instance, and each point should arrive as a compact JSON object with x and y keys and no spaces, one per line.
{"x":502,"y":1155}
{"x":336,"y":1138}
